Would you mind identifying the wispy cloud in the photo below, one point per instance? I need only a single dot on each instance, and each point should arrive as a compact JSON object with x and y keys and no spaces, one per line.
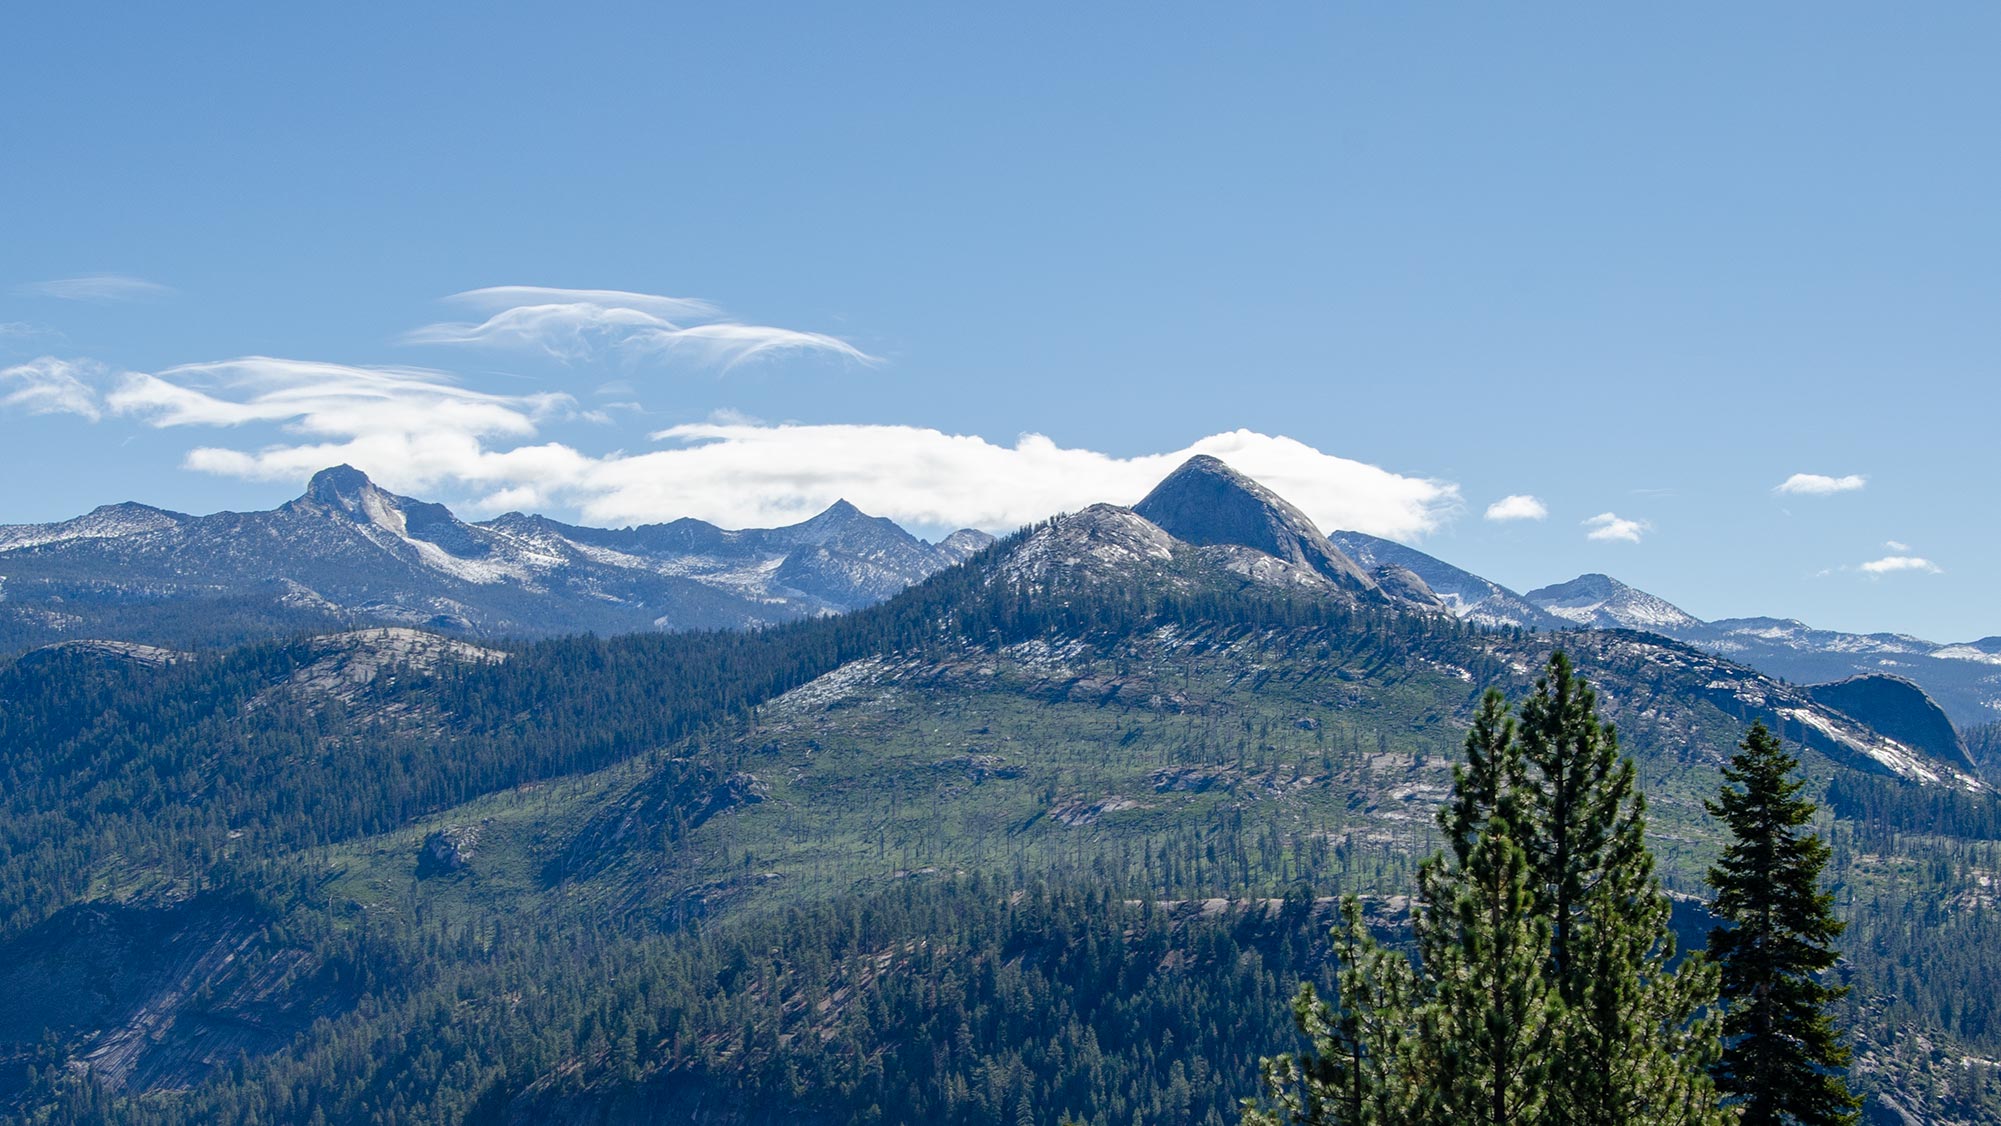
{"x":581,"y":324}
{"x":1520,"y":506}
{"x":1819,"y":485}
{"x":51,"y":386}
{"x":1894,"y":564}
{"x":412,"y":425}
{"x":1611,"y":526}
{"x":418,"y":430}
{"x":96,"y":287}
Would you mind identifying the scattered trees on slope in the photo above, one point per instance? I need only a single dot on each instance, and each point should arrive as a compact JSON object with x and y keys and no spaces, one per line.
{"x":1544,"y":988}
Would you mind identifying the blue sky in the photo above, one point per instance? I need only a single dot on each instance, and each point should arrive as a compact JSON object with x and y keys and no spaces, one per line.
{"x":1640,"y":265}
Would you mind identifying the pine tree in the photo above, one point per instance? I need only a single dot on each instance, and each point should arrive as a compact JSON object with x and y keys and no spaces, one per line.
{"x":1581,"y":786}
{"x":1783,"y":1060}
{"x":1492,"y":1013}
{"x":1361,"y":1066}
{"x":1542,"y":990}
{"x":1634,"y":1044}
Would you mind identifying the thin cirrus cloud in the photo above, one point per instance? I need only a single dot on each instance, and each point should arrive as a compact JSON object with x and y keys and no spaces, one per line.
{"x":51,"y":386}
{"x":1520,"y":506}
{"x":584,"y":324}
{"x":96,"y":287}
{"x":1819,"y":485}
{"x":1608,"y":526}
{"x":418,"y":431}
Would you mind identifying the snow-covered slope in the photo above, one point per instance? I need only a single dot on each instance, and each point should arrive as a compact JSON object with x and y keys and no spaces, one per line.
{"x":106,"y":522}
{"x":1466,"y":594}
{"x":350,"y":552}
{"x":1603,"y":602}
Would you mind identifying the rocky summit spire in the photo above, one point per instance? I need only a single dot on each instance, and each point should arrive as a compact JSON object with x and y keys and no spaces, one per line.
{"x":1206,"y":502}
{"x":340,"y":486}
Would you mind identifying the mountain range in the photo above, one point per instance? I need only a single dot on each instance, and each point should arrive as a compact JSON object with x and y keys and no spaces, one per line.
{"x":1050,"y":832}
{"x":1964,"y":677}
{"x":349,"y":553}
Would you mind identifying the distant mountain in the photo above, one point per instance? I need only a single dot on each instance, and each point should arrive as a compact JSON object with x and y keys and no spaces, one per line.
{"x":1206,"y":527}
{"x":1205,"y":502}
{"x":1963,"y":679}
{"x":1466,"y":594}
{"x":1603,"y":602}
{"x":348,"y":552}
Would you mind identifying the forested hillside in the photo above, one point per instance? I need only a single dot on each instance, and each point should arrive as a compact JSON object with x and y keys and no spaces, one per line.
{"x":1020,"y":843}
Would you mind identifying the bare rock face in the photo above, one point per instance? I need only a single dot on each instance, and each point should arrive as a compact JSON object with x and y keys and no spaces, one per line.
{"x":113,"y":653}
{"x":159,"y":996}
{"x":450,"y":849}
{"x":1901,"y":710}
{"x":1403,"y":585}
{"x":1205,"y":502}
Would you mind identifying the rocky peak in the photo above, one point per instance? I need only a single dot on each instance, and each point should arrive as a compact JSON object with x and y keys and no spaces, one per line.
{"x":341,"y":486}
{"x":1600,"y":601}
{"x":842,"y":523}
{"x":1101,"y":542}
{"x":1592,"y":584}
{"x":1207,"y":503}
{"x":964,"y":544}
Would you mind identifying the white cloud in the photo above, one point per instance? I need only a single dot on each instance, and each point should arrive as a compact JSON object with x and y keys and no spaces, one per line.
{"x":1900,"y":548}
{"x":582,"y":324}
{"x":96,"y":287}
{"x":754,"y":473}
{"x":51,"y":386}
{"x":1892,"y":564}
{"x":1520,"y":506}
{"x":419,"y":432}
{"x":1889,"y":565}
{"x":1820,"y":485}
{"x":1610,"y":526}
{"x":413,"y":426}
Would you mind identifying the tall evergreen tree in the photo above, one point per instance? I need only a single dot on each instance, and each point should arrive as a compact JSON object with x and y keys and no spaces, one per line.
{"x":1634,"y":1043}
{"x":1489,"y":1026}
{"x":1361,"y":1071}
{"x":1500,"y":1021}
{"x":1580,"y":790}
{"x":1486,"y":1030}
{"x":1783,"y":1060}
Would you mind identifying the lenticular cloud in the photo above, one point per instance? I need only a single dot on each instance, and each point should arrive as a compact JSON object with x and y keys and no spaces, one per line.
{"x":584,"y":324}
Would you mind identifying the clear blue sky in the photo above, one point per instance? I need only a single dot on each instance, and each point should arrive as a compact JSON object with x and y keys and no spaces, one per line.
{"x":1641,"y":263}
